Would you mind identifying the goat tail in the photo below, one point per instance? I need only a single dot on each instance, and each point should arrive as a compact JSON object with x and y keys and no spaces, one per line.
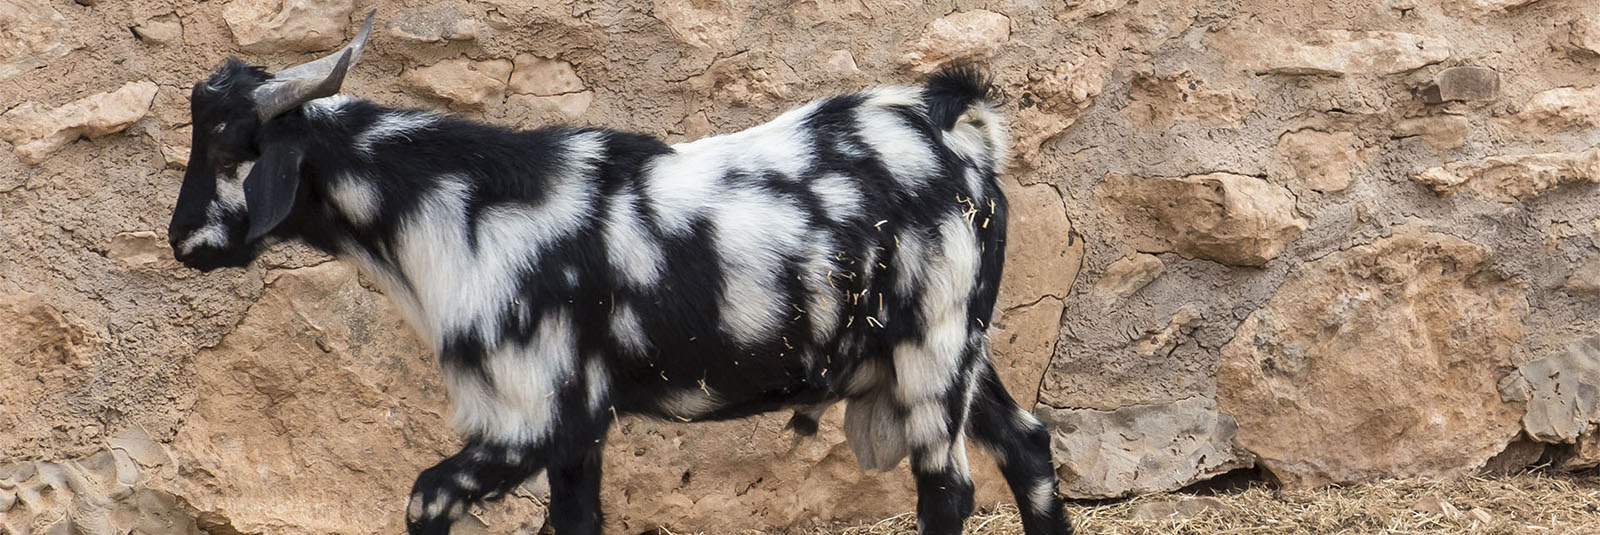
{"x":959,"y":101}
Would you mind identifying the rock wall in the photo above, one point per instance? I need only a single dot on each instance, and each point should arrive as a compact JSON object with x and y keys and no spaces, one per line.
{"x":1333,"y":241}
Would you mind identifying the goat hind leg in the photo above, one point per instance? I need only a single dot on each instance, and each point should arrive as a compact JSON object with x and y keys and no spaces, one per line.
{"x":481,"y":470}
{"x":1022,"y":447}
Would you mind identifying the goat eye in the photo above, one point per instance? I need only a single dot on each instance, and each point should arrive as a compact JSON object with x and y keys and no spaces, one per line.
{"x":219,"y":128}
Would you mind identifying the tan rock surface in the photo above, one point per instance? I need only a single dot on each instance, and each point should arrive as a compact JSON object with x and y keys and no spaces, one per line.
{"x":1127,"y":275}
{"x":1563,"y":108}
{"x":1334,"y":52}
{"x":461,"y":81}
{"x":31,"y":33}
{"x":958,"y":36}
{"x":1176,"y":444}
{"x":1316,"y":160}
{"x":1228,"y":218}
{"x":1514,"y":176}
{"x":1162,"y":101}
{"x":1378,"y":361}
{"x":35,"y":132}
{"x":268,"y":26}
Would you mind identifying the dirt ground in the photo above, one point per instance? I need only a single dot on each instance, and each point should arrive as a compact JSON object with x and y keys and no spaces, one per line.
{"x":1527,"y":503}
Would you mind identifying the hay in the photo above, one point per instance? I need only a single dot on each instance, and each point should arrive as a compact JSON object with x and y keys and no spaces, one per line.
{"x":1527,"y":503}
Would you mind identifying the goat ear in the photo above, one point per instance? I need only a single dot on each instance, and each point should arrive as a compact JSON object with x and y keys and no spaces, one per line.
{"x":271,"y":186}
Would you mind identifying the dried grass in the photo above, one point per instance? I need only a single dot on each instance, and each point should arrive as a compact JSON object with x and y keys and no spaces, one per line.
{"x":1527,"y":503}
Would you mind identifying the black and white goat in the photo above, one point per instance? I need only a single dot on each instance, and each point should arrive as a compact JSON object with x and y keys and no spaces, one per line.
{"x":849,"y":250}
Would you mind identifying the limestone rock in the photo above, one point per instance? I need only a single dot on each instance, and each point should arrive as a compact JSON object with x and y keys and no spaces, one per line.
{"x":1585,"y":279}
{"x":751,"y":79}
{"x":138,"y":249}
{"x":1077,"y":10}
{"x":1332,"y":52}
{"x":1562,"y":108}
{"x":462,"y":81}
{"x":1042,"y":255}
{"x":102,"y":493}
{"x":437,"y":23}
{"x":1021,"y":343}
{"x":564,"y":108}
{"x":44,"y":353}
{"x":1316,"y":160}
{"x":1458,"y":84}
{"x":1127,"y":275}
{"x":1051,"y":101}
{"x":1583,"y":35}
{"x":1377,"y":361}
{"x":708,"y":24}
{"x":840,"y":61}
{"x":271,"y":26}
{"x":1442,"y":132}
{"x":31,"y":34}
{"x":1517,"y":176}
{"x":35,"y":132}
{"x":1561,"y":391}
{"x":832,"y":10}
{"x":1223,"y":217}
{"x":1481,"y":7}
{"x":957,"y":36}
{"x":162,"y":30}
{"x":545,"y":77}
{"x":1140,"y":448}
{"x":1161,"y":101}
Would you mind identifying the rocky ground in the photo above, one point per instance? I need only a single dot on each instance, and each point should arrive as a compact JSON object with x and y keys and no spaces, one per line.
{"x":1334,"y":242}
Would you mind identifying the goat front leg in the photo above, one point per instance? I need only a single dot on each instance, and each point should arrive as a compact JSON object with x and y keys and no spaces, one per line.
{"x":482,"y":470}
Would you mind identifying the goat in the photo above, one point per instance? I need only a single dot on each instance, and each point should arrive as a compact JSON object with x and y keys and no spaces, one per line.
{"x":848,"y":250}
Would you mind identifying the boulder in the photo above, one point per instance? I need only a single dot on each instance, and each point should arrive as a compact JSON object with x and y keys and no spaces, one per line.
{"x":1140,"y":448}
{"x":1561,"y":393}
{"x":1320,"y":161}
{"x":1562,"y":108}
{"x":1224,"y":217}
{"x":1458,"y":84}
{"x":1515,"y":176}
{"x":1159,"y":102}
{"x":272,"y":26}
{"x":1126,"y":276}
{"x":545,"y":77}
{"x":31,"y":34}
{"x":462,"y":81}
{"x":1330,"y":52}
{"x":34,"y":131}
{"x":1377,"y":361}
{"x":961,"y":35}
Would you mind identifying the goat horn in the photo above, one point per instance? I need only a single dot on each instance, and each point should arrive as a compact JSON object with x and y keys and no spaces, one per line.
{"x":319,"y":78}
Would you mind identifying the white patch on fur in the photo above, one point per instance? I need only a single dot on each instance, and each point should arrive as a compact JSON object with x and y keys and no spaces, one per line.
{"x":926,"y":367}
{"x":518,"y":408}
{"x":683,"y":185}
{"x":690,"y":404}
{"x":230,"y":190}
{"x":927,"y":424}
{"x":884,"y":97}
{"x":594,"y":373}
{"x":625,"y":327}
{"x":212,"y":234}
{"x":753,"y":235}
{"x":1042,"y":495}
{"x":910,"y":258}
{"x":840,"y":198}
{"x":633,"y":252}
{"x":414,"y":507}
{"x":356,"y":198}
{"x":466,"y":482}
{"x":438,"y":506}
{"x":1027,"y":420}
{"x":399,"y":124}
